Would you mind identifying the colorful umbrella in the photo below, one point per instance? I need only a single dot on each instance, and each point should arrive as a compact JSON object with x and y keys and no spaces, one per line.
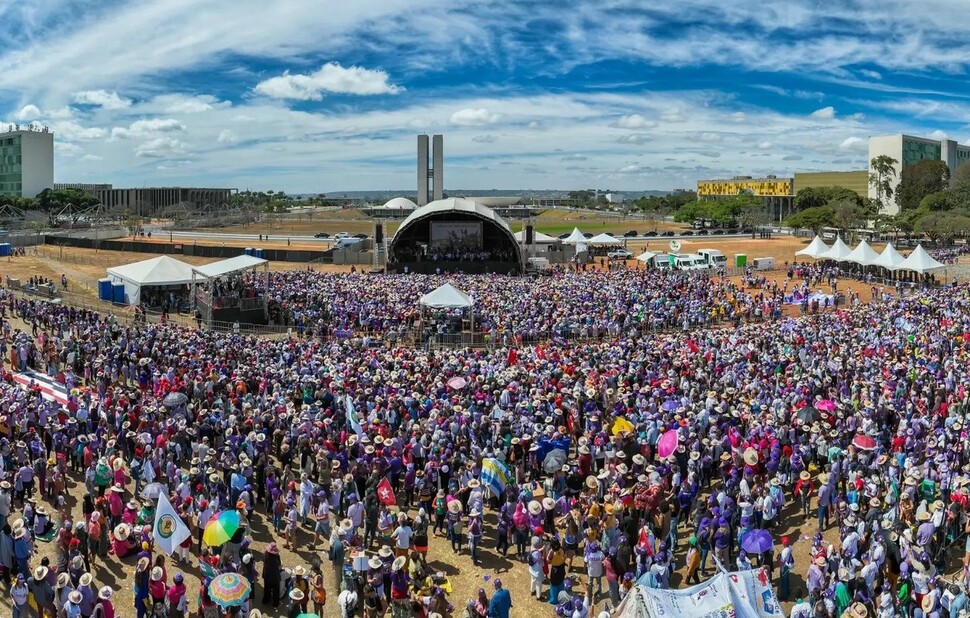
{"x":757,"y":542}
{"x":457,"y":383}
{"x":667,"y":444}
{"x":825,"y":404}
{"x":864,"y":442}
{"x":102,"y":474}
{"x":670,"y":405}
{"x":221,"y":528}
{"x":229,"y":590}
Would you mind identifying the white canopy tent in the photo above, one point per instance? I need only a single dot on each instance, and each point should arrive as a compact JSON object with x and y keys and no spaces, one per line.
{"x":646,"y":256}
{"x":539,"y":238}
{"x":604,"y":239}
{"x":862,"y":255}
{"x":838,"y":252}
{"x":236,"y":264}
{"x":575,"y":238}
{"x":446,"y":297}
{"x":161,"y":271}
{"x":889,"y":258}
{"x":816,"y":248}
{"x":920,"y":261}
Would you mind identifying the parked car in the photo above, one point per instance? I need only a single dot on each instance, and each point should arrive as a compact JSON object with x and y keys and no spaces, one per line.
{"x":702,"y":232}
{"x":650,"y":234}
{"x":341,"y":235}
{"x":619,"y":254}
{"x":747,"y":230}
{"x":687,"y":233}
{"x":321,"y":235}
{"x":718,"y":232}
{"x":667,"y":233}
{"x":360,"y":236}
{"x":631,"y":234}
{"x":564,"y":236}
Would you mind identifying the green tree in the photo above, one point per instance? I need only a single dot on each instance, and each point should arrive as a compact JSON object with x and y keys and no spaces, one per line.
{"x":941,"y":200}
{"x":919,"y":180}
{"x":692,"y":211}
{"x":812,"y":218}
{"x":961,"y":185}
{"x":942,"y":226}
{"x":848,"y":214}
{"x":882,"y":172}
{"x":813,"y":197}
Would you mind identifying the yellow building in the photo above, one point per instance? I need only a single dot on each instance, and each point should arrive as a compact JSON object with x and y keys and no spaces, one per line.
{"x":761,"y":187}
{"x":857,"y":181}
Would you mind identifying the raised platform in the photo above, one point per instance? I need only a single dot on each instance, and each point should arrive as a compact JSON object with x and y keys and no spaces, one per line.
{"x":470,"y":268}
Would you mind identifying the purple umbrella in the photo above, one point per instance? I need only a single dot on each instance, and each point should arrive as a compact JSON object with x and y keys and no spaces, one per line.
{"x":670,"y":405}
{"x":757,"y":542}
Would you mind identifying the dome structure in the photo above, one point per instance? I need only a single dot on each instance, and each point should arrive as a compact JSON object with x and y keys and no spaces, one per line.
{"x":399,"y":203}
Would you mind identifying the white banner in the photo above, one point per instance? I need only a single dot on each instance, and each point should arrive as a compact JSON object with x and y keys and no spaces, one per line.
{"x":741,"y":594}
{"x":169,"y":529}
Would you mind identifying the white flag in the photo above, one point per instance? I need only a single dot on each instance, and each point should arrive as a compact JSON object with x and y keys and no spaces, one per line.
{"x":169,"y":530}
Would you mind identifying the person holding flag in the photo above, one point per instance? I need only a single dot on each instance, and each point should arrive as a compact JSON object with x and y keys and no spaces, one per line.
{"x":169,"y":530}
{"x":495,"y":476}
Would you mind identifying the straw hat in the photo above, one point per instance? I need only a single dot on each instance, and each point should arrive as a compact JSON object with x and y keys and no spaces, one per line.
{"x":346,"y":525}
{"x":374,"y":563}
{"x":40,"y":572}
{"x":472,"y":484}
{"x":535,"y":507}
{"x":62,"y":580}
{"x":750,"y":456}
{"x":142,"y":564}
{"x":820,"y":561}
{"x":591,"y":482}
{"x":548,"y":503}
{"x":398,"y":563}
{"x":927,"y":603}
{"x":296,"y":594}
{"x":105,"y":593}
{"x":924,"y":516}
{"x":299,"y":571}
{"x":86,"y":579}
{"x":122,"y":532}
{"x":805,"y":476}
{"x":156,"y":574}
{"x":454,"y":506}
{"x":255,"y":613}
{"x":74,"y":597}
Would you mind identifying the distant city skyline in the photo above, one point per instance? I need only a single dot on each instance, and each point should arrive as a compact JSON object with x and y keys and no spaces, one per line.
{"x":287,"y":95}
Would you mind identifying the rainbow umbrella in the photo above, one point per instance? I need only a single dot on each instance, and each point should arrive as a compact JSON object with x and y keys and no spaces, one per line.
{"x":221,"y":528}
{"x":229,"y":590}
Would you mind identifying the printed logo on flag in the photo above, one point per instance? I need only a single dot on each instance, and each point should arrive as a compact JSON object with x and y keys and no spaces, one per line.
{"x":167,"y":526}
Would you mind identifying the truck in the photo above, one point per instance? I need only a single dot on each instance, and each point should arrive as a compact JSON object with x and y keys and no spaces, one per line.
{"x":713,"y":258}
{"x":661,"y":261}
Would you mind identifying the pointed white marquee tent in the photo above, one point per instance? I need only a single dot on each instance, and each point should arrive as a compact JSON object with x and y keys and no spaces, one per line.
{"x":604,"y":239}
{"x":161,"y":271}
{"x":448,"y":297}
{"x":816,"y":248}
{"x":862,"y":254}
{"x":575,"y":238}
{"x":889,"y":258}
{"x":838,"y":252}
{"x":920,"y":261}
{"x":646,"y":256}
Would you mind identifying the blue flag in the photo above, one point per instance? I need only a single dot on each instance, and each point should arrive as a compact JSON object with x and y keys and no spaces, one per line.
{"x":495,"y":476}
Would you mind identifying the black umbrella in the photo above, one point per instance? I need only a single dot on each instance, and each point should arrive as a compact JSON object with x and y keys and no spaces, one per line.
{"x":175,"y":399}
{"x":808,"y":415}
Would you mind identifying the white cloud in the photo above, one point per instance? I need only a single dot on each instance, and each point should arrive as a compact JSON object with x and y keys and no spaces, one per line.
{"x":28,"y":112}
{"x":148,"y":128}
{"x":764,"y":145}
{"x":634,"y":138}
{"x":674,"y":114}
{"x":469,"y":117}
{"x":825,"y":113}
{"x":939,"y":135}
{"x":180,"y":104}
{"x":739,"y":117}
{"x":870,"y":74}
{"x":633,"y":121}
{"x":102,"y":98}
{"x":91,"y":157}
{"x":574,"y":157}
{"x":67,"y":149}
{"x":226,"y":137}
{"x":484,"y":139}
{"x":709,"y":137}
{"x":854,"y":144}
{"x":160,"y":147}
{"x":629,"y":169}
{"x":330,"y":77}
{"x":71,"y":130}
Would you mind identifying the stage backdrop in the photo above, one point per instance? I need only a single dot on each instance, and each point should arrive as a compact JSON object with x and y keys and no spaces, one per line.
{"x":463,"y":234}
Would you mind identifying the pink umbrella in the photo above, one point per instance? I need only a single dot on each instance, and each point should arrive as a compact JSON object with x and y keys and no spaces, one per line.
{"x":668,"y":443}
{"x":864,"y":442}
{"x":825,"y":404}
{"x":457,"y":383}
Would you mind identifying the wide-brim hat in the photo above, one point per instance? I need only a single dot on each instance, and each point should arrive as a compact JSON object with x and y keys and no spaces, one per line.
{"x":86,"y":579}
{"x":74,"y":597}
{"x":472,"y":484}
{"x":63,"y":579}
{"x":157,"y":574}
{"x":398,"y":563}
{"x":298,"y":571}
{"x":122,"y":532}
{"x":535,"y":507}
{"x":142,"y":564}
{"x":804,"y":475}
{"x":385,"y":551}
{"x":296,"y":594}
{"x":820,"y":561}
{"x":750,"y":456}
{"x":346,"y":525}
{"x":41,"y":572}
{"x":548,"y":503}
{"x":105,"y":593}
{"x":454,"y":506}
{"x":591,"y":482}
{"x":375,"y":563}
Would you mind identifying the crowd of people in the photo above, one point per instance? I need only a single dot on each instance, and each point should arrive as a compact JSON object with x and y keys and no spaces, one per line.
{"x":643,"y":458}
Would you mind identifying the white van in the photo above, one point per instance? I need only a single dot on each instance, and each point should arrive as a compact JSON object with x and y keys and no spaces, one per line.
{"x":343,"y":243}
{"x":713,"y":258}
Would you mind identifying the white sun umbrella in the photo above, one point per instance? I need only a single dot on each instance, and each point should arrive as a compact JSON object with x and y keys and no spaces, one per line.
{"x":816,"y":248}
{"x":838,"y":252}
{"x":646,"y":256}
{"x":862,"y":254}
{"x":889,"y":258}
{"x":920,"y":261}
{"x":574,"y":238}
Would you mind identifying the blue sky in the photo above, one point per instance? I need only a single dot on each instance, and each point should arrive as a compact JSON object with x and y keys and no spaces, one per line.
{"x":316,"y":96}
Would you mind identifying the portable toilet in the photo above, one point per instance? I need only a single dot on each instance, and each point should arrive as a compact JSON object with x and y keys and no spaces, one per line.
{"x":259,"y":253}
{"x":6,"y":249}
{"x":118,"y":293}
{"x":248,"y":251}
{"x":104,"y":290}
{"x":740,"y":260}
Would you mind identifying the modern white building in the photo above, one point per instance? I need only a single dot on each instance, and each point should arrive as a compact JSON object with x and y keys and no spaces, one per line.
{"x":908,"y":150}
{"x":26,"y":160}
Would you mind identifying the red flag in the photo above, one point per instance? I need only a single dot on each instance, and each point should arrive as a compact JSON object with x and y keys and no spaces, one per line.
{"x":692,"y":346}
{"x":385,"y":493}
{"x":513,"y":357}
{"x":539,"y":353}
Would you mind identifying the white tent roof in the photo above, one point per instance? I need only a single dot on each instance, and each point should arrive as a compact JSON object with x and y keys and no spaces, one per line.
{"x":838,"y":252}
{"x":646,"y":256}
{"x":604,"y":239}
{"x":539,"y":237}
{"x":231,"y":265}
{"x":575,"y":237}
{"x":889,"y":258}
{"x":862,"y":254}
{"x":920,"y":261}
{"x":446,"y":297}
{"x":399,"y":203}
{"x":162,"y":270}
{"x":816,"y":248}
